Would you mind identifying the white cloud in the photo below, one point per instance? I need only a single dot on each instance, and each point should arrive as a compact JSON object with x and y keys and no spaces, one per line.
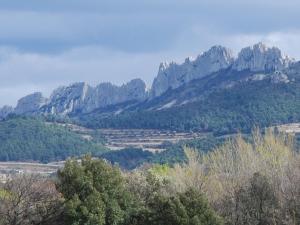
{"x":287,"y":41}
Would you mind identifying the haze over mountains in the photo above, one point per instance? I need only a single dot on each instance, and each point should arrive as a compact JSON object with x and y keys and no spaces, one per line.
{"x":257,"y":62}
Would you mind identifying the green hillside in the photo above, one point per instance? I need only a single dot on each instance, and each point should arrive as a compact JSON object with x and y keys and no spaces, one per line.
{"x":222,"y":111}
{"x":32,"y":139}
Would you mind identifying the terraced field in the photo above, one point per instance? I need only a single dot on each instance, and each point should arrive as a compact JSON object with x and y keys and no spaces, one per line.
{"x":115,"y":139}
{"x":147,"y":139}
{"x":293,"y":128}
{"x":151,"y":140}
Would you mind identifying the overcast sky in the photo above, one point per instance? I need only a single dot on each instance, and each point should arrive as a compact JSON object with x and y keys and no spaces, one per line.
{"x":47,"y":43}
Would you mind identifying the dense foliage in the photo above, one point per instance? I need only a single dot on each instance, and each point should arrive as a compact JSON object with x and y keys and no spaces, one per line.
{"x":223,"y":111}
{"x":188,"y":208}
{"x":253,"y":182}
{"x":239,"y":183}
{"x":94,"y":193}
{"x":32,"y":139}
{"x":174,"y":153}
{"x":131,"y":158}
{"x":128,"y":158}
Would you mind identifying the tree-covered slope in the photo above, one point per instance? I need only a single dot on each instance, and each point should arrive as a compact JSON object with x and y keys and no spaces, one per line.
{"x":24,"y":139}
{"x":221,"y":111}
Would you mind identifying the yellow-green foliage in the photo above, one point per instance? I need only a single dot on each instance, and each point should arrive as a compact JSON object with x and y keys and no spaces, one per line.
{"x":4,"y":194}
{"x":233,"y":164}
{"x":224,"y":172}
{"x":159,"y":170}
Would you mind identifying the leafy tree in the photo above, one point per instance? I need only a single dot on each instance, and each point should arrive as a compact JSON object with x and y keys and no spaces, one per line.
{"x":189,"y":208}
{"x":94,"y":192}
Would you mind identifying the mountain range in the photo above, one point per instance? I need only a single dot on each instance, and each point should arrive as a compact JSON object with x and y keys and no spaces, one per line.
{"x":215,"y":85}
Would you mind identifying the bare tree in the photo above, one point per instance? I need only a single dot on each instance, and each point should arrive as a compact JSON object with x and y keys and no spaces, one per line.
{"x":30,"y":200}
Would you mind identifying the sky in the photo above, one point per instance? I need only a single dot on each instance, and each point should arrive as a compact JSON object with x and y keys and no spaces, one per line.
{"x":48,"y":43}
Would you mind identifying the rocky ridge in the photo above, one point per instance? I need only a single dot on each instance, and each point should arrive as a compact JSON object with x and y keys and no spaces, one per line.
{"x":82,"y":98}
{"x":78,"y":97}
{"x":30,"y":104}
{"x":172,"y":75}
{"x":257,"y":58}
{"x":261,"y":58}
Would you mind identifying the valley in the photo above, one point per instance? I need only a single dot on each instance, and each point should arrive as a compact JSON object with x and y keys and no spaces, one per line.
{"x":155,"y":141}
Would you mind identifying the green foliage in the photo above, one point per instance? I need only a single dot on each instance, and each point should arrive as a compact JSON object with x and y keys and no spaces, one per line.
{"x":131,"y":158}
{"x":32,"y":139}
{"x":128,"y":158}
{"x":189,"y":208}
{"x":89,"y":211}
{"x":94,"y":192}
{"x":248,"y":181}
{"x":222,"y":111}
{"x":174,"y":153}
{"x":159,"y":170}
{"x":4,"y":194}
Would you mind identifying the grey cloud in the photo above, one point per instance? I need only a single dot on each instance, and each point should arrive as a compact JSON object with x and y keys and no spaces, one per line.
{"x":60,"y":31}
{"x":132,"y":25}
{"x":53,"y":42}
{"x":23,"y":73}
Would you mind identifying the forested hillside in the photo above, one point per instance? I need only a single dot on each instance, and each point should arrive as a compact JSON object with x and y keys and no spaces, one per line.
{"x":223,"y":111}
{"x":131,"y":158}
{"x":34,"y":140}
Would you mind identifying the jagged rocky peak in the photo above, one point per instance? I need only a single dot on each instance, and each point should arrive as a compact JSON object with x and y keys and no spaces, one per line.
{"x":215,"y":59}
{"x":218,"y":55}
{"x":106,"y":94}
{"x":5,"y":111}
{"x":30,"y":104}
{"x":77,"y":90}
{"x":264,"y":63}
{"x":135,"y":90}
{"x":79,"y":97}
{"x":67,"y":99}
{"x":260,"y":57}
{"x":163,"y":66}
{"x":172,"y":75}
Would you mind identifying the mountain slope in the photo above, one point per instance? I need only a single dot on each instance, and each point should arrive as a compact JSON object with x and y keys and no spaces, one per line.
{"x":222,"y":103}
{"x":80,"y":98}
{"x":32,"y":139}
{"x":215,"y":92}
